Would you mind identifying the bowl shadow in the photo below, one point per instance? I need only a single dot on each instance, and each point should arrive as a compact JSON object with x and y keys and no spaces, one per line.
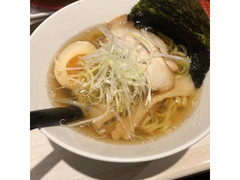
{"x":103,"y":170}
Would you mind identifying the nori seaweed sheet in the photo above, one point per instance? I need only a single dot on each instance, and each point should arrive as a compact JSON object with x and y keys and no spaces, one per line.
{"x":185,"y":22}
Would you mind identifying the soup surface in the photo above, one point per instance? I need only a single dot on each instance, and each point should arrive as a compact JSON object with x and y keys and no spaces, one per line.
{"x":145,"y":120}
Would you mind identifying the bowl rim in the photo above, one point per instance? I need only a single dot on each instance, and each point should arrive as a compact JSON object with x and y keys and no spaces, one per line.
{"x":125,"y":160}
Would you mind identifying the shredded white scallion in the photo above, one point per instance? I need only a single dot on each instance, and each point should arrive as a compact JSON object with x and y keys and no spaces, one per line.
{"x":114,"y":75}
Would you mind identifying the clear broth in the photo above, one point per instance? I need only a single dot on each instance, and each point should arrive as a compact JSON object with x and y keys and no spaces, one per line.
{"x":56,"y":92}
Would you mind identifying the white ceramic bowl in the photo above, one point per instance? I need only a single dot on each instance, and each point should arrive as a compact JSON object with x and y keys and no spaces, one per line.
{"x":49,"y":37}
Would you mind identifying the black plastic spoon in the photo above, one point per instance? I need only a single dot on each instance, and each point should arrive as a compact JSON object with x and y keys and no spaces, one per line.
{"x":52,"y":116}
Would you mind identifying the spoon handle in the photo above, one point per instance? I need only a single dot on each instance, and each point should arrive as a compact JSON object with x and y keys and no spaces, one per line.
{"x":52,"y":116}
